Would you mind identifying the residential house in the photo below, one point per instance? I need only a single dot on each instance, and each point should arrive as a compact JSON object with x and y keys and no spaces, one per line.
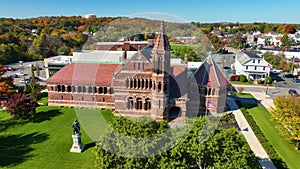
{"x":251,"y":65}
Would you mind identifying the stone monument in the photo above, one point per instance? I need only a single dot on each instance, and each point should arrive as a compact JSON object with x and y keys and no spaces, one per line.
{"x":77,"y":146}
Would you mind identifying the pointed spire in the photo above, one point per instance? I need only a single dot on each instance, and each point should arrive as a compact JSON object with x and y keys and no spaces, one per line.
{"x":162,"y":42}
{"x":162,"y":28}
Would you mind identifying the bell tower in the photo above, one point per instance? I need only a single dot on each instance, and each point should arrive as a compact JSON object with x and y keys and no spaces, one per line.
{"x":161,"y":54}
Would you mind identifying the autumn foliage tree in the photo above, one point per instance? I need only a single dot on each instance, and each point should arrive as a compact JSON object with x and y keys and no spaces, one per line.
{"x":6,"y":83}
{"x":287,"y":113}
{"x":21,"y":107}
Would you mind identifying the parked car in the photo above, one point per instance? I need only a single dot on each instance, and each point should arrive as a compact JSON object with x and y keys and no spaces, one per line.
{"x":288,"y":75}
{"x":14,"y":76}
{"x":19,"y":74}
{"x":295,"y":80}
{"x":276,"y":70}
{"x":9,"y":68}
{"x":293,"y":92}
{"x":24,"y":81}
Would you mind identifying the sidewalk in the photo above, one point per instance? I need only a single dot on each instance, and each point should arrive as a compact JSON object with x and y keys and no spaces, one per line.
{"x":264,"y":99}
{"x":252,"y":140}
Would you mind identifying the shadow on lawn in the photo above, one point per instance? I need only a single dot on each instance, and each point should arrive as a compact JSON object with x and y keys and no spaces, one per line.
{"x":5,"y":124}
{"x":88,"y":146}
{"x":45,"y":115}
{"x":15,"y":149}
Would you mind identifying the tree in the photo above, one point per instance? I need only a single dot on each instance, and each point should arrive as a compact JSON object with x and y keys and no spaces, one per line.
{"x":6,"y":83}
{"x":237,"y":41}
{"x":287,"y":113}
{"x":33,"y":87}
{"x":224,"y":148}
{"x":216,"y":42}
{"x":37,"y":69}
{"x":21,"y":107}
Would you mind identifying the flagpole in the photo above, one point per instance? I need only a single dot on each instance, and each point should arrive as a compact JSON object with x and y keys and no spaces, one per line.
{"x":206,"y":108}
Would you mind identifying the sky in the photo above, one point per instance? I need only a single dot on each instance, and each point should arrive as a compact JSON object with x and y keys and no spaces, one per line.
{"x":243,"y":11}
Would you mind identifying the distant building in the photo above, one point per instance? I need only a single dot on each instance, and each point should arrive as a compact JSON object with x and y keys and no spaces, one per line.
{"x":251,"y":65}
{"x":122,"y":46}
{"x":89,"y":16}
{"x":54,"y":64}
{"x":147,"y":84}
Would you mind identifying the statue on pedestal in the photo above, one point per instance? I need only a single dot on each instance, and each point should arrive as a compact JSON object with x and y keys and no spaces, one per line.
{"x":77,"y":146}
{"x":76,"y":127}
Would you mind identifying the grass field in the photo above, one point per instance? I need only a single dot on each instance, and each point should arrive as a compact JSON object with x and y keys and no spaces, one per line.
{"x":283,"y":147}
{"x":46,"y":141}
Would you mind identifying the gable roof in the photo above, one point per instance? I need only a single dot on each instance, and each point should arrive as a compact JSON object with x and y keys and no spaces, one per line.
{"x":243,"y":56}
{"x":85,"y":73}
{"x":209,"y":74}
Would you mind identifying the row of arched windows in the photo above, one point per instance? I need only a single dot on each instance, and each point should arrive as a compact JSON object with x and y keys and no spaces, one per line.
{"x":82,"y":89}
{"x":136,"y":83}
{"x":138,"y":103}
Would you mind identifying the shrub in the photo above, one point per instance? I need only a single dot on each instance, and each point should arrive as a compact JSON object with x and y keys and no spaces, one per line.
{"x":268,"y":80}
{"x":243,"y":78}
{"x":237,"y":77}
{"x":250,"y":81}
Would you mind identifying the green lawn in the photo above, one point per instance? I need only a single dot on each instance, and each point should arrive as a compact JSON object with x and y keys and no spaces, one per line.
{"x":281,"y":145}
{"x":244,"y":95}
{"x":46,"y":141}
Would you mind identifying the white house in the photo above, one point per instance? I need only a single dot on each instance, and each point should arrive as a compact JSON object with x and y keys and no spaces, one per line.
{"x":251,"y":65}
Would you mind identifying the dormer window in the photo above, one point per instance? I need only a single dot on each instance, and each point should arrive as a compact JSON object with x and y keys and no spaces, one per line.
{"x":253,"y":61}
{"x":258,"y":61}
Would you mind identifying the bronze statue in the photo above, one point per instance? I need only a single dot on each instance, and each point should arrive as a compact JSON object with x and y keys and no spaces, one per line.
{"x":76,"y":127}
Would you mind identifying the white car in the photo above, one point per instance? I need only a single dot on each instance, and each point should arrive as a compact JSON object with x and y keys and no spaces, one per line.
{"x":276,"y":71}
{"x":19,"y":74}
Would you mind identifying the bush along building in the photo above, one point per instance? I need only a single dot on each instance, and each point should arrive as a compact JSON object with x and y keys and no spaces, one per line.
{"x":145,"y":84}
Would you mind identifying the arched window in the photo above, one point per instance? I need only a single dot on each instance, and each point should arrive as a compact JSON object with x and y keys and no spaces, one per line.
{"x":59,"y":88}
{"x":105,"y":90}
{"x":73,"y":89}
{"x":90,"y":89}
{"x":100,"y":90}
{"x":62,"y":97}
{"x":139,"y":103}
{"x":129,"y":103}
{"x":150,"y":84}
{"x":209,"y":91}
{"x":159,"y":86}
{"x":79,"y":89}
{"x":213,"y":91}
{"x":147,"y":104}
{"x":63,"y":88}
{"x":127,"y":83}
{"x":94,"y":89}
{"x":143,"y":83}
{"x":51,"y":88}
{"x":131,"y":83}
{"x":134,"y":83}
{"x":139,"y":83}
{"x":69,"y":89}
{"x":83,"y":89}
{"x":146,"y":85}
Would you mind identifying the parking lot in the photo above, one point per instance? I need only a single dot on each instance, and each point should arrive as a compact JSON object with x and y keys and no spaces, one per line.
{"x":21,"y":72}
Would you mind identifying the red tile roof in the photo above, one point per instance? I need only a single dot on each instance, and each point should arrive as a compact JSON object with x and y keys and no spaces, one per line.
{"x":85,"y":73}
{"x":209,"y":74}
